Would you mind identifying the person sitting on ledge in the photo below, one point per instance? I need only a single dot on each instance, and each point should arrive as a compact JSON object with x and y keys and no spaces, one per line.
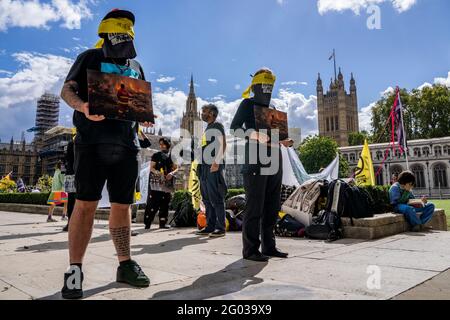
{"x":400,"y":195}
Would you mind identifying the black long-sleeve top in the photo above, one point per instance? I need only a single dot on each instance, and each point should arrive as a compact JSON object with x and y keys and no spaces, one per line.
{"x":245,"y":119}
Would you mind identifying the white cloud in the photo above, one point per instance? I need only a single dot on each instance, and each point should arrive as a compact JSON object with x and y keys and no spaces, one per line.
{"x":365,"y":117}
{"x":388,"y":91}
{"x":356,"y":6}
{"x":214,"y":81}
{"x":237,"y":87}
{"x":293,"y":83}
{"x":76,"y":39}
{"x":37,"y":73}
{"x":166,"y":79}
{"x":9,"y":73}
{"x":38,"y":14}
{"x":280,"y":2}
{"x":170,"y":104}
{"x":443,"y":81}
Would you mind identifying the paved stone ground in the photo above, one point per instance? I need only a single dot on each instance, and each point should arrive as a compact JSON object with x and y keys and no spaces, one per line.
{"x":181,"y":265}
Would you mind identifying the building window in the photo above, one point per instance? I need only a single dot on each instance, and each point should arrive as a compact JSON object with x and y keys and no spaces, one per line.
{"x":438,"y":151}
{"x":2,"y":170}
{"x":379,"y":155}
{"x":345,"y":157}
{"x":420,"y":176}
{"x":447,"y":150}
{"x":379,"y":177}
{"x":27,"y":170}
{"x":352,"y":157}
{"x":417,"y":152}
{"x":332,"y":124}
{"x":397,"y":153}
{"x":440,"y":176}
{"x":336,"y":119}
{"x":328,"y":124}
{"x":396,"y":169}
{"x":426,"y":151}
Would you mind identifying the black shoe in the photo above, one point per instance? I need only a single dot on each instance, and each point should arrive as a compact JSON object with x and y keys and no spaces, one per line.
{"x":416,"y":228}
{"x":69,"y":291}
{"x":134,"y":233}
{"x":147,"y":227}
{"x":165,"y":226}
{"x":276,"y":253}
{"x":132,"y":274}
{"x":203,"y":232}
{"x":66,"y":228}
{"x":217,"y":234}
{"x":259,"y":257}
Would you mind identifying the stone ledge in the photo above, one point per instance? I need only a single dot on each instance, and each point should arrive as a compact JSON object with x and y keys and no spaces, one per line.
{"x":388,"y":224}
{"x":101,"y":214}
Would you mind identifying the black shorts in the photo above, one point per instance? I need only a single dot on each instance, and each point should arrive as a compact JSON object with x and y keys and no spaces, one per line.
{"x":96,"y":164}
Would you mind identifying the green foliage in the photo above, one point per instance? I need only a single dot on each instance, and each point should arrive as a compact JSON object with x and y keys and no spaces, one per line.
{"x":426,"y":114}
{"x":380,"y":197}
{"x":178,"y":197}
{"x":234,"y":192}
{"x":44,"y":183}
{"x":7,"y":186}
{"x":25,"y":198}
{"x":318,"y":152}
{"x":358,"y":138}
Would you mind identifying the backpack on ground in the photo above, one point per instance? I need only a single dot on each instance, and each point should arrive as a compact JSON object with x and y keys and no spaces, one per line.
{"x":358,"y":204}
{"x":185,"y":215}
{"x":289,"y":227}
{"x":326,"y":226}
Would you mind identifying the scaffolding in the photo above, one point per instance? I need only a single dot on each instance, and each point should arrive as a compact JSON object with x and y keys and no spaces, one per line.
{"x":47,"y":115}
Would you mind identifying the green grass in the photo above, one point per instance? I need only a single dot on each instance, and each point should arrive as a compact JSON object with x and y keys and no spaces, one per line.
{"x":443,"y":204}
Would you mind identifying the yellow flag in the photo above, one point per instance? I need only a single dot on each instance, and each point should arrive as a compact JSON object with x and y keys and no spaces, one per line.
{"x":364,"y":174}
{"x":194,"y":186}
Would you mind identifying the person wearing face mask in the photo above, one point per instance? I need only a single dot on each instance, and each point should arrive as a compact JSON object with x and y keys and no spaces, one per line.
{"x":262,"y":190}
{"x":162,"y":172}
{"x":106,"y":151}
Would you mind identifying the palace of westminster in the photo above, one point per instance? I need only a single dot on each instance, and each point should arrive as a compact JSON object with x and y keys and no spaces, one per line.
{"x":429,"y":159}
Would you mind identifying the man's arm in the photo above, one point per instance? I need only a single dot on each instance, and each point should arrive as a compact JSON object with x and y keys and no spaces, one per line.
{"x":69,"y":94}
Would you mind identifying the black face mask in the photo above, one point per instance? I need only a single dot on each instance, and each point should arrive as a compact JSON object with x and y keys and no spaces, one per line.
{"x":119,"y":46}
{"x":262,"y":94}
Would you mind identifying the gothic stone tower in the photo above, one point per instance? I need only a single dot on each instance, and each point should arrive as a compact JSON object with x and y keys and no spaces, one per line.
{"x":337,"y":110}
{"x":191,"y":120}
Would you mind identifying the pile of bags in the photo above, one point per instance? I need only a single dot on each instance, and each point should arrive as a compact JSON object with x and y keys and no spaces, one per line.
{"x":318,"y":206}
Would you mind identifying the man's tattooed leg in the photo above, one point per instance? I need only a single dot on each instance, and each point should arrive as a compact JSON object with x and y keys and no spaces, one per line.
{"x":121,"y":239}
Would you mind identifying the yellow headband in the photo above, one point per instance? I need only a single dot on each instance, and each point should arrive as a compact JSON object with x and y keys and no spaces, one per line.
{"x":115,"y":25}
{"x":262,"y":78}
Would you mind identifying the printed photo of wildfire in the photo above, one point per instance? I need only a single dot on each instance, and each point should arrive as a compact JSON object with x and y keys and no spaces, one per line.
{"x":118,"y":97}
{"x":269,"y":119}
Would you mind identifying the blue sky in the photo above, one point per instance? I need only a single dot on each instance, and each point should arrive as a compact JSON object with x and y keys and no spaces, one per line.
{"x":222,"y":42}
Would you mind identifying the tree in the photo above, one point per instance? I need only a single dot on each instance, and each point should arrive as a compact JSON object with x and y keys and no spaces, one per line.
{"x":358,"y":138}
{"x":318,"y":152}
{"x":426,"y":114}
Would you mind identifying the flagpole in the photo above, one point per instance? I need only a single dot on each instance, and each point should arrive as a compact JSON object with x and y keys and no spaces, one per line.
{"x":403,"y":128}
{"x":334,"y":56}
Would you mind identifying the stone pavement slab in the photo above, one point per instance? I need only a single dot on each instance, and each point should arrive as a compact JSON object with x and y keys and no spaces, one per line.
{"x":181,"y":265}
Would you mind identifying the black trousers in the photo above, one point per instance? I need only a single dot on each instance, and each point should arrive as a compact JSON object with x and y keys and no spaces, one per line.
{"x":263,"y":202}
{"x":157,"y":201}
{"x":70,"y":203}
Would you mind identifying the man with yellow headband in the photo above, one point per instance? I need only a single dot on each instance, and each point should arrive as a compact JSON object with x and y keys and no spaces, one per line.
{"x":262,"y":191}
{"x":105,"y":151}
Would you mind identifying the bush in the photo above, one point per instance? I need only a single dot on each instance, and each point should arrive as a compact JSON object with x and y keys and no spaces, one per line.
{"x":45,"y":183}
{"x":25,"y":198}
{"x":234,"y":192}
{"x":7,"y":185}
{"x":178,"y":197}
{"x":380,"y":197}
